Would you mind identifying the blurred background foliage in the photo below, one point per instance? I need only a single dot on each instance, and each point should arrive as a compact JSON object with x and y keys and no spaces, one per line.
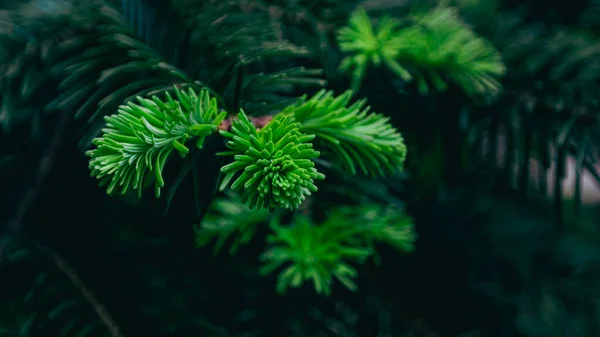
{"x":501,"y":186}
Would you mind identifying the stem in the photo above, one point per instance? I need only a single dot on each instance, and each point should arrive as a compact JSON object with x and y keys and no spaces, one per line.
{"x":259,"y":122}
{"x":86,"y":293}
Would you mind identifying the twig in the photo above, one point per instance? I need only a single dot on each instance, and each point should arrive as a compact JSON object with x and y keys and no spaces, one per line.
{"x":259,"y":122}
{"x":100,"y":310}
{"x":15,"y":224}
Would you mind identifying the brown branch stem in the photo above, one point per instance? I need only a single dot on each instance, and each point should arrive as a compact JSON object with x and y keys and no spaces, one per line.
{"x":259,"y":122}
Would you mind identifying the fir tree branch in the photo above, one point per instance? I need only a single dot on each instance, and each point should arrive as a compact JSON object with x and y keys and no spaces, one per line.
{"x":138,"y":140}
{"x":437,"y":49}
{"x":273,"y":166}
{"x":355,"y":137}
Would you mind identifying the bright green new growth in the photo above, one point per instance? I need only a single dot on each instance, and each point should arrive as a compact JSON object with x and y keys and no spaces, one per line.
{"x":386,"y":224}
{"x":276,"y":164}
{"x":230,"y":219}
{"x":273,"y":166}
{"x":137,"y":141}
{"x":320,"y":253}
{"x":305,"y":251}
{"x":312,"y":253}
{"x":438,"y":47}
{"x":370,"y":45}
{"x":359,"y":139}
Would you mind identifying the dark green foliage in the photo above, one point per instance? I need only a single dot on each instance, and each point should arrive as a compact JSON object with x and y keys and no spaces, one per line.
{"x":552,"y":103}
{"x":234,"y":37}
{"x":49,"y":296}
{"x":96,"y":61}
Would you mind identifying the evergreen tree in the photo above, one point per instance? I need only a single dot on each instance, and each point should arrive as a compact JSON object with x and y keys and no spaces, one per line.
{"x":297,"y":168}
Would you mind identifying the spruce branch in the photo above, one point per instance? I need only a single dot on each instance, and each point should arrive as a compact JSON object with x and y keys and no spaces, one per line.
{"x":312,"y":253}
{"x":358,"y":138}
{"x":138,"y":140}
{"x":273,"y":157}
{"x":321,"y":252}
{"x":308,"y":251}
{"x":275,"y":162}
{"x":370,"y":45}
{"x":435,"y":49}
{"x":386,"y":224}
{"x":229,"y":218}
